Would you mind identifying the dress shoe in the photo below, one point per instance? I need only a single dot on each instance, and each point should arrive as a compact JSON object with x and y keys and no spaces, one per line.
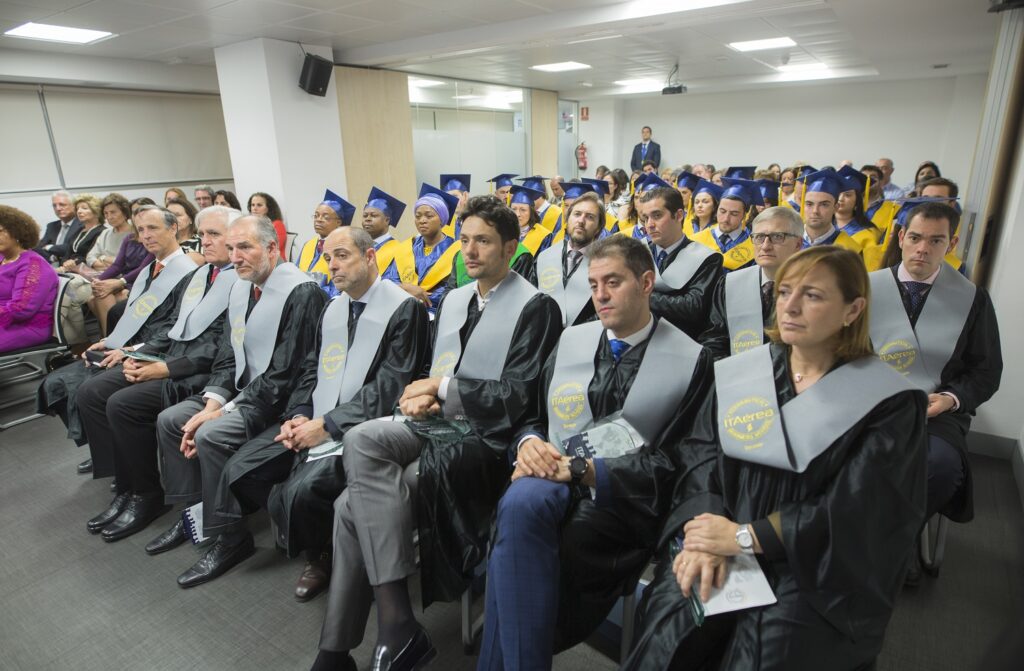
{"x":168,"y":540}
{"x":117,"y":506}
{"x":315,"y":578}
{"x":220,"y":559}
{"x":140,"y":511}
{"x":415,"y":654}
{"x":85,"y":466}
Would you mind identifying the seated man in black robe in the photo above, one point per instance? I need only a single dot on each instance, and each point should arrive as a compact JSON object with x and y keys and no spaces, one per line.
{"x":258,"y":362}
{"x":372,"y":340}
{"x":491,"y":339}
{"x":562,"y":553}
{"x":119,"y":406}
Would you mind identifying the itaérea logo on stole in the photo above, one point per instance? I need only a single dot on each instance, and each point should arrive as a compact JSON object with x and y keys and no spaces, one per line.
{"x":899,"y":354}
{"x":749,"y":419}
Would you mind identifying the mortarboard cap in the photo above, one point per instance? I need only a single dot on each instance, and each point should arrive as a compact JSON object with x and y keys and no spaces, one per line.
{"x":524,"y":195}
{"x":504,"y":179}
{"x":576,"y":189}
{"x":854,"y":179}
{"x":826,"y":180}
{"x":651,"y":181}
{"x":740,"y":172}
{"x":344,"y":209}
{"x":769,"y":190}
{"x":455,"y":182}
{"x":746,"y":190}
{"x":535,"y":182}
{"x":386,"y":203}
{"x":600,"y":186}
{"x":802,"y":170}
{"x":710,"y":188}
{"x":687,"y":180}
{"x":450,"y":201}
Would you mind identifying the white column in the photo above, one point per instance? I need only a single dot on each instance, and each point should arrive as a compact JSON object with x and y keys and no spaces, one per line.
{"x":282,"y":140}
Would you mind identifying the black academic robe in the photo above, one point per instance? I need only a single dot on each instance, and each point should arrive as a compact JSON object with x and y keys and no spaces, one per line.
{"x":459,"y":486}
{"x":266,"y":396}
{"x":58,"y":392}
{"x":605,"y":547}
{"x":716,"y":336}
{"x":687,"y":308}
{"x":849,"y":524}
{"x":972,"y":374}
{"x":303,"y":505}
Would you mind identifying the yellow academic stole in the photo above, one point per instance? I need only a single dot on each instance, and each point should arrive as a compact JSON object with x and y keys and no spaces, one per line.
{"x":306,"y":258}
{"x":386,"y":254}
{"x":735,"y":258}
{"x":532,"y":240}
{"x":405,"y":262}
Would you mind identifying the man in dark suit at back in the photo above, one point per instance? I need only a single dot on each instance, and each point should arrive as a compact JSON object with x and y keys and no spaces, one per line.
{"x":645,"y":150}
{"x":58,"y":234}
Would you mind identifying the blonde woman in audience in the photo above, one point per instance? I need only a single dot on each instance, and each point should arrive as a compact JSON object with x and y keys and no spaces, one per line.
{"x":117,"y":213}
{"x":174,"y":193}
{"x":90,"y":213}
{"x":716,"y":177}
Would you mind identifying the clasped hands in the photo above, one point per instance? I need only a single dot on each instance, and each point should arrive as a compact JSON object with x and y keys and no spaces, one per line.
{"x":142,"y":371}
{"x":420,"y":400}
{"x":939,"y":403}
{"x":709,"y":541}
{"x":213,"y":410}
{"x":302,"y":433}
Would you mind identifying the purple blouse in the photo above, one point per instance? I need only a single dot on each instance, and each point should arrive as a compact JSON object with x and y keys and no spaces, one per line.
{"x":131,"y":258}
{"x":28,"y":289}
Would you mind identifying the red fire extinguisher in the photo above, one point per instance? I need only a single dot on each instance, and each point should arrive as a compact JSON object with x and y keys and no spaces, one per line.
{"x":581,"y":156}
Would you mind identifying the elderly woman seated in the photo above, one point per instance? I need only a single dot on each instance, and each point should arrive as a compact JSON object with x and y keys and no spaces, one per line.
{"x":28,"y":285}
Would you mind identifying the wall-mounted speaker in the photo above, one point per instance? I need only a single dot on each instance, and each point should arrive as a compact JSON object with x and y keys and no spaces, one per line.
{"x":316,"y":75}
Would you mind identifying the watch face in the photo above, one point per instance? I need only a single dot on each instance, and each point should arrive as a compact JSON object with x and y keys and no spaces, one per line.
{"x":577,"y":466}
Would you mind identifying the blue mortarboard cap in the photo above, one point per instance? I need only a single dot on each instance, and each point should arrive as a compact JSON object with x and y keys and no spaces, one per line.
{"x":746,"y":190}
{"x":504,"y":179}
{"x":386,"y":203}
{"x":740,"y":172}
{"x":827,"y":181}
{"x":769,"y":189}
{"x":525,"y":195}
{"x":688,"y":180}
{"x":576,"y":189}
{"x":651,"y":181}
{"x":909,"y":204}
{"x":344,"y":209}
{"x":455,"y":182}
{"x":600,"y":186}
{"x":704,"y":186}
{"x":803,"y":170}
{"x":854,"y":179}
{"x":451,"y":201}
{"x":535,"y":182}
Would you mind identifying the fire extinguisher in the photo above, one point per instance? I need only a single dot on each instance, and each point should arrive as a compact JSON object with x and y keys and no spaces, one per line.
{"x":581,"y":156}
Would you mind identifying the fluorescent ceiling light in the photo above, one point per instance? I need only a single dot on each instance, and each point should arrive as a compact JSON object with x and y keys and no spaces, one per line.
{"x":424,"y":83}
{"x":560,"y":67}
{"x":639,"y":85}
{"x":594,"y":39}
{"x":761,"y":45}
{"x":803,"y":67}
{"x":465,"y":97}
{"x":49,"y":33}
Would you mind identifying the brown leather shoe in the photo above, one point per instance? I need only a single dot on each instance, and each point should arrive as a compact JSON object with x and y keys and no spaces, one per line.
{"x":315,"y":578}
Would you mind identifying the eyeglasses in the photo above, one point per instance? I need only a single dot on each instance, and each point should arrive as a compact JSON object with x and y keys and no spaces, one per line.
{"x":776,"y":238}
{"x":324,"y":217}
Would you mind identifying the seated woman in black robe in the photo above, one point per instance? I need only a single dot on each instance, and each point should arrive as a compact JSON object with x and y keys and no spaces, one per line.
{"x":820,"y":476}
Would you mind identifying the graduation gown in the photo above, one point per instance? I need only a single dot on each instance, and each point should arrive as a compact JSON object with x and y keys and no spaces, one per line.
{"x":604,"y":547}
{"x":716,"y":336}
{"x":837,"y":568}
{"x":687,"y":308}
{"x":303,"y":505}
{"x":459,"y":486}
{"x":738,"y":255}
{"x":428,"y":271}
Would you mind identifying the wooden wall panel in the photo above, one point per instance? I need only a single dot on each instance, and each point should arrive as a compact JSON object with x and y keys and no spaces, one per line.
{"x":543,"y":132}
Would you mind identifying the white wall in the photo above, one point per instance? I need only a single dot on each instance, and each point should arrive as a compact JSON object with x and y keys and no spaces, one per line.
{"x":822,"y":123}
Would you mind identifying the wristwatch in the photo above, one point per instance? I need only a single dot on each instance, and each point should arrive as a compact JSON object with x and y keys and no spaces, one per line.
{"x":745,"y":539}
{"x":578,"y":467}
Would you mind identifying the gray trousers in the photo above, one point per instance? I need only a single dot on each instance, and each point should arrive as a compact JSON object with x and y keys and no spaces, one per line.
{"x":192,"y":480}
{"x":373,"y":526}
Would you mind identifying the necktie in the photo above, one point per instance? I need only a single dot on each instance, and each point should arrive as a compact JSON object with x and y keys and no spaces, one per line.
{"x":319,"y":247}
{"x":157,"y":269}
{"x":357,"y":309}
{"x":574,"y":260}
{"x":213,"y":274}
{"x":643,"y":152}
{"x":619,"y":348}
{"x":256,"y":293}
{"x":916,"y":291}
{"x":767,"y":298}
{"x":660,"y":258}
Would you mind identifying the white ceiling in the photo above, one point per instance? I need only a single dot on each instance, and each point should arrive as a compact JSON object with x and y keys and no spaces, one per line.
{"x":498,"y":40}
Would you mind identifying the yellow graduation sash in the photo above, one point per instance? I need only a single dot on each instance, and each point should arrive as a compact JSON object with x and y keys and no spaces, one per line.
{"x":864,"y":238}
{"x":611,"y":224}
{"x":405,"y":262}
{"x":306,"y":258}
{"x":550,"y":217}
{"x":846,"y":242}
{"x":534,"y":238}
{"x":736,"y":257}
{"x":386,"y":254}
{"x":884,"y":217}
{"x":688,"y":225}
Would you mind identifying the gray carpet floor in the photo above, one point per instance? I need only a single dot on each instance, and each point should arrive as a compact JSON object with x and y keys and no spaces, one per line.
{"x":70,"y":601}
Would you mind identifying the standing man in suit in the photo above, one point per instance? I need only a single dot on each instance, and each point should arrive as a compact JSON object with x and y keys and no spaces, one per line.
{"x":645,"y":150}
{"x":58,"y":235}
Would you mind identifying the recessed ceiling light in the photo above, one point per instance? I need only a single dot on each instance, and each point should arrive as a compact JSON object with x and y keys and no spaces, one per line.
{"x":761,"y":45}
{"x":424,"y":83}
{"x":594,"y":39}
{"x":639,"y":85}
{"x":565,"y":66}
{"x":49,"y":33}
{"x":803,"y":67}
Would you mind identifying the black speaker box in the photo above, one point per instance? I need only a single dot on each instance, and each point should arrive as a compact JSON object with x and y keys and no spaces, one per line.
{"x":316,"y":74}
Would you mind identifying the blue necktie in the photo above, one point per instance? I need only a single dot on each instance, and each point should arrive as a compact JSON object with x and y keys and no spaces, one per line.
{"x":643,"y":151}
{"x":660,"y":259}
{"x":916,"y":291}
{"x":619,"y":348}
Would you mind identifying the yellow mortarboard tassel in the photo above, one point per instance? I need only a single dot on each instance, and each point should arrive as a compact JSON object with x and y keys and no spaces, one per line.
{"x":867,"y":190}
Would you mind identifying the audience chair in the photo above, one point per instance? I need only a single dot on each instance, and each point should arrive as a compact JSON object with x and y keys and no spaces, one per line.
{"x":289,"y":241}
{"x":933,"y":544}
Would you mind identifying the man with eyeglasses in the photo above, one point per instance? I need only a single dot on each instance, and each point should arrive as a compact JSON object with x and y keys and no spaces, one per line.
{"x":743,"y":302}
{"x":332,"y":212}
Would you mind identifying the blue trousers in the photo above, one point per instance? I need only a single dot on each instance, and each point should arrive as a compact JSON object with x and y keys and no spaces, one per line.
{"x":522,"y":577}
{"x":945,"y":474}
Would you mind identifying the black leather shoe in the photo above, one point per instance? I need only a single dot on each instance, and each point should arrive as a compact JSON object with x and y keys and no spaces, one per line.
{"x":220,"y":559}
{"x":85,"y":467}
{"x":168,"y":540}
{"x":117,"y":506}
{"x":416,"y":654}
{"x":140,"y":511}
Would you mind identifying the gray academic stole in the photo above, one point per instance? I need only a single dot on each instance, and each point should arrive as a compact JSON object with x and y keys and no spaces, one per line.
{"x":341,"y":372}
{"x":682,"y":269}
{"x":199,"y":308}
{"x":919,"y":353}
{"x":253,"y":340}
{"x":142,"y":301}
{"x":752,"y":427}
{"x":488,"y":345}
{"x":571,"y":295}
{"x":743,"y":309}
{"x":654,"y":398}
